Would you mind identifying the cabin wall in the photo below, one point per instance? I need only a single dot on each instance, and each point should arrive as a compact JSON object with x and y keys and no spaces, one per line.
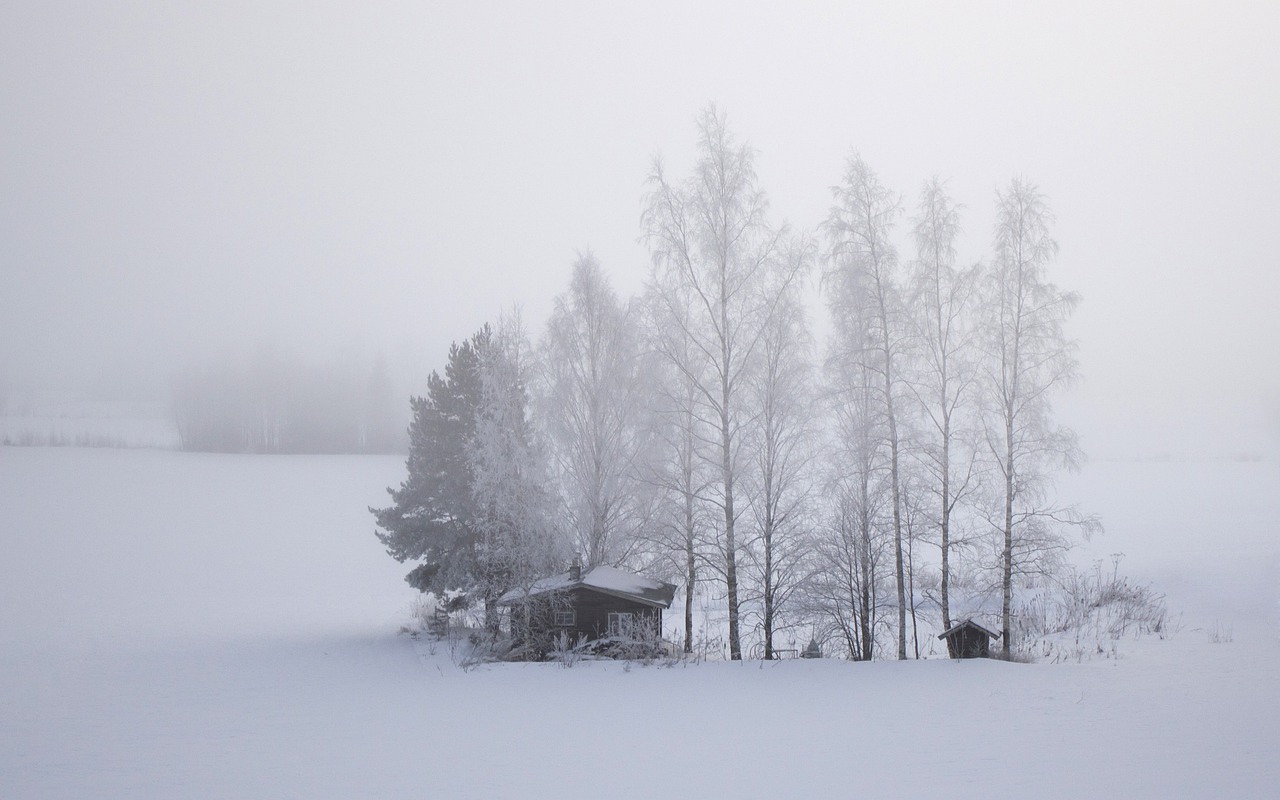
{"x":533,"y":623}
{"x":592,"y":611}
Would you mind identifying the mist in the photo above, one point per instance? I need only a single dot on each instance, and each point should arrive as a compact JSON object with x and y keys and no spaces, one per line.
{"x":180,"y":186}
{"x":386,"y":387}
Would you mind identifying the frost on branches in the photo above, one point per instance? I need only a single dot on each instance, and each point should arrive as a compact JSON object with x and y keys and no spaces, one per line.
{"x":473,"y":512}
{"x":690,"y":434}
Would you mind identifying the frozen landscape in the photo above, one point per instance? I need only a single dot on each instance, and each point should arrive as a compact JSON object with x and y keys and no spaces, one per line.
{"x":810,"y":309}
{"x":188,"y":625}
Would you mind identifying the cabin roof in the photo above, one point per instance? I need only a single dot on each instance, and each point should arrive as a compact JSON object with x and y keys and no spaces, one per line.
{"x":606,"y":580}
{"x":968,"y":623}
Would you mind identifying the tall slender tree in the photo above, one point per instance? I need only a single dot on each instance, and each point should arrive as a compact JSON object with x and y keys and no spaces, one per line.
{"x":782,"y":448}
{"x":944,"y":316}
{"x":1028,"y":358}
{"x":679,"y":468}
{"x":518,"y":540}
{"x":592,"y":398}
{"x":863,"y":266}
{"x":712,"y":243}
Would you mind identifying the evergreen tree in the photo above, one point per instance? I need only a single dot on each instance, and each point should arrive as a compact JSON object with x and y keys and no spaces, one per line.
{"x":433,"y":516}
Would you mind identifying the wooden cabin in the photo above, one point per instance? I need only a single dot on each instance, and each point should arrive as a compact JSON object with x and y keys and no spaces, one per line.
{"x":600,"y":604}
{"x":968,"y":639}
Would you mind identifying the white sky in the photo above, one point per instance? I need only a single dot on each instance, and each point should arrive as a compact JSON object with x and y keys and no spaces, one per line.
{"x":177,"y":181}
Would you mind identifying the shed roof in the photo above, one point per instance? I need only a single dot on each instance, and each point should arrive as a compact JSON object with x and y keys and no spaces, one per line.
{"x":607,"y":580}
{"x":968,"y":623}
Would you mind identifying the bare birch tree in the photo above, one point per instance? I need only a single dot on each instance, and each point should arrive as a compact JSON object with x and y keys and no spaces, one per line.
{"x":678,"y":467}
{"x":944,"y":319}
{"x":710,"y":239}
{"x":783,"y":452}
{"x":863,"y":268}
{"x":848,"y":575}
{"x":592,"y":402}
{"x":849,"y":570}
{"x":1029,"y":357}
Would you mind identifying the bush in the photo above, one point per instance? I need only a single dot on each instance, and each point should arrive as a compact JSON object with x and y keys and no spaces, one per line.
{"x":1070,"y":621}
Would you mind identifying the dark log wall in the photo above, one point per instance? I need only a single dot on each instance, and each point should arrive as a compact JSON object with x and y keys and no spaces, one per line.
{"x":592,"y":612}
{"x":968,"y":643}
{"x":533,"y":623}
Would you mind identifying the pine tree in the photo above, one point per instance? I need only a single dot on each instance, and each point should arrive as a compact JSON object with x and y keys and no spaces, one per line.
{"x":433,"y":516}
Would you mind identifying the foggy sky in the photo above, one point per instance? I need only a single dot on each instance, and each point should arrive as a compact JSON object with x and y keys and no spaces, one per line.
{"x":350,"y":179}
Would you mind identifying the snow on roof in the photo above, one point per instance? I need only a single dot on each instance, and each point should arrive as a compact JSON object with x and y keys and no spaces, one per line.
{"x":609,"y":580}
{"x":968,"y":623}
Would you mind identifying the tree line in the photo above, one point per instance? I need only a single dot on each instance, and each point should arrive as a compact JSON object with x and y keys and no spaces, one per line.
{"x":273,"y":404}
{"x":864,"y":488}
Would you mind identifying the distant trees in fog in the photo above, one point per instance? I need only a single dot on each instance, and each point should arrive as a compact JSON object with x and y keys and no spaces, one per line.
{"x":900,"y":479}
{"x":269,"y":404}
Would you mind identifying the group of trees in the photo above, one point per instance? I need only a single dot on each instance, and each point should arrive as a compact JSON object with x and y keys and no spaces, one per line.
{"x":694,"y":431}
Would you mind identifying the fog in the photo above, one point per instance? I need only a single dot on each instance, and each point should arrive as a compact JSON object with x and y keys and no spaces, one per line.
{"x":178,"y":184}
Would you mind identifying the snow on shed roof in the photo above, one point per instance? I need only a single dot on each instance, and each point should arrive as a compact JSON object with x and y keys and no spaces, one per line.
{"x":968,"y":623}
{"x":609,"y":580}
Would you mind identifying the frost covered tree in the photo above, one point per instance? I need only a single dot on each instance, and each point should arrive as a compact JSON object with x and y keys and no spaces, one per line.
{"x":518,"y":541}
{"x":473,"y":510}
{"x":433,"y":516}
{"x":678,"y":468}
{"x":1028,"y":358}
{"x":943,"y":315}
{"x":781,"y":455}
{"x":852,"y":547}
{"x":592,"y":395}
{"x":712,"y":244}
{"x":868,"y":312}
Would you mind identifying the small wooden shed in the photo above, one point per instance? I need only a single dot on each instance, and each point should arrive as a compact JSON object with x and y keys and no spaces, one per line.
{"x":968,"y":639}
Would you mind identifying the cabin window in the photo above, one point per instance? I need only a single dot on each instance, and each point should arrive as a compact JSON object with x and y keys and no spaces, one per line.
{"x":619,"y":623}
{"x":564,"y":619}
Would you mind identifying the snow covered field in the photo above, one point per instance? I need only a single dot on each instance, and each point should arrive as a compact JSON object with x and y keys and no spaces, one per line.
{"x":182,"y":625}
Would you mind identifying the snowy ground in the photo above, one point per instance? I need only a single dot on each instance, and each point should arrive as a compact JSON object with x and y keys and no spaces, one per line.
{"x":180,"y":625}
